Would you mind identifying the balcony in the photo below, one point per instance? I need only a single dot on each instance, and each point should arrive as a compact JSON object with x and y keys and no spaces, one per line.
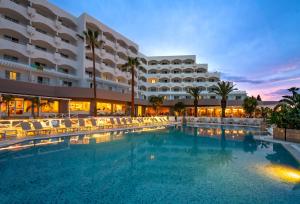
{"x":15,"y":7}
{"x":6,"y":24}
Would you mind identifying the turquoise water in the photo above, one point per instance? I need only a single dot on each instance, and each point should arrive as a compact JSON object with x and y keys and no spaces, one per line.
{"x":174,"y":165}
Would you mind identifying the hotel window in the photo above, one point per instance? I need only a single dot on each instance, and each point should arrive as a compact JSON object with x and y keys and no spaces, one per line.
{"x":200,"y":80}
{"x":152,"y":89}
{"x":176,"y":97}
{"x":188,"y":97}
{"x":63,"y":70}
{"x":176,"y":72}
{"x":152,"y":81}
{"x":10,"y":38}
{"x":79,"y":106}
{"x":64,"y":55}
{"x":104,"y":108}
{"x":164,"y":72}
{"x":176,"y":89}
{"x":238,"y":97}
{"x":176,"y":80}
{"x":119,"y":108}
{"x":40,"y":30}
{"x":12,"y":75}
{"x":48,"y":106}
{"x":43,"y":80}
{"x":65,"y":40}
{"x":67,"y":83}
{"x":39,"y":65}
{"x":212,"y":97}
{"x":10,"y":58}
{"x":11,"y":19}
{"x":41,"y":48}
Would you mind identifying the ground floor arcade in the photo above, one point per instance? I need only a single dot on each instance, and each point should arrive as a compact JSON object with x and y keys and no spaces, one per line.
{"x":26,"y":106}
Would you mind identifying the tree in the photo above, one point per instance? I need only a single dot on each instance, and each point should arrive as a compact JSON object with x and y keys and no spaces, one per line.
{"x":156,"y":101}
{"x":249,"y":105}
{"x":91,"y":38}
{"x":258,"y":98}
{"x":195,"y":93}
{"x":130,"y":66}
{"x":292,"y":101}
{"x":287,"y":113}
{"x":265,"y":112}
{"x":223,"y":89}
{"x":179,"y":107}
{"x":7,"y":99}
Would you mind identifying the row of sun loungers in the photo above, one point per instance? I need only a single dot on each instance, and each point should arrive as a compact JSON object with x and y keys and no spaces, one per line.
{"x":81,"y":125}
{"x":228,"y":121}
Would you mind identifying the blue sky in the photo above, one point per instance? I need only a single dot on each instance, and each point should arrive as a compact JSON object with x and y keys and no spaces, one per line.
{"x":255,"y":43}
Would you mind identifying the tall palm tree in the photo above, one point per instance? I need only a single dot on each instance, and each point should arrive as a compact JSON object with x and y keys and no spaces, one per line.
{"x":156,"y":101}
{"x":92,"y":42}
{"x":223,"y":89}
{"x":131,"y":66}
{"x":195,"y":93}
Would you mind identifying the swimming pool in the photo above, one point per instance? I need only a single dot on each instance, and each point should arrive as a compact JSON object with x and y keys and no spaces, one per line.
{"x":172,"y":165}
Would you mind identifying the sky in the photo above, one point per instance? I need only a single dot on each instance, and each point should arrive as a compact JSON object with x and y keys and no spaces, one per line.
{"x":254,"y":43}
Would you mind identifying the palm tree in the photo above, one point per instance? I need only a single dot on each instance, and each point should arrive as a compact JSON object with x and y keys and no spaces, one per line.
{"x":92,"y":42}
{"x":223,"y":89}
{"x":195,"y":93}
{"x":6,"y":99}
{"x":130,"y":66}
{"x":249,"y":105}
{"x":179,"y":108}
{"x":292,"y":101}
{"x":156,"y":101}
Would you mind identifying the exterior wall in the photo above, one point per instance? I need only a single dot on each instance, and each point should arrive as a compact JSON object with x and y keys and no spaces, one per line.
{"x":171,"y":76}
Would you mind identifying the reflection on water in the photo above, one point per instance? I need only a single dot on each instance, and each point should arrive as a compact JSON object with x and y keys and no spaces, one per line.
{"x":175,"y":165}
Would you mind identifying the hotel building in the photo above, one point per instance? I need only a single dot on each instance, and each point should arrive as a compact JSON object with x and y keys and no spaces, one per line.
{"x":42,"y":54}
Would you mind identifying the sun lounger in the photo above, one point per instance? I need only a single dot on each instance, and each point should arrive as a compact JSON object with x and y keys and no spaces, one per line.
{"x":56,"y":124}
{"x":124,"y":121}
{"x":42,"y":130}
{"x":116,"y":123}
{"x":27,"y":129}
{"x":69,"y":126}
{"x":83,"y":126}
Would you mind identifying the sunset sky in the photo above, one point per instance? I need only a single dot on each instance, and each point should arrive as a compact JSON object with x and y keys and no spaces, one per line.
{"x":255,"y":43}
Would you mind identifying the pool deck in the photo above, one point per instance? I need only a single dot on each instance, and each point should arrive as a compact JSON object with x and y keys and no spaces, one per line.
{"x":9,"y":142}
{"x":291,"y":147}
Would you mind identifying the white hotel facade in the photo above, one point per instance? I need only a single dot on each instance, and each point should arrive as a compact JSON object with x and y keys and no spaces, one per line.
{"x":40,"y":45}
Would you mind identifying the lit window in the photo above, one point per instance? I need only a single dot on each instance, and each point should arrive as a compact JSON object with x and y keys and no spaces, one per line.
{"x":152,"y":81}
{"x":13,"y":75}
{"x":79,"y":106}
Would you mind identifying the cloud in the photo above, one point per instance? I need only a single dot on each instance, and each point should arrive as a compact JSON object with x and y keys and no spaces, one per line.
{"x":278,"y":92}
{"x":241,"y":79}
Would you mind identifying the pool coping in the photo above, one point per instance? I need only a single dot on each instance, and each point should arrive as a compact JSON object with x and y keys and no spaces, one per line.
{"x":16,"y":141}
{"x":291,"y":147}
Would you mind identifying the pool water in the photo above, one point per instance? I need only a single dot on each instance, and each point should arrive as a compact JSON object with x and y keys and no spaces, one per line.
{"x":172,"y":165}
